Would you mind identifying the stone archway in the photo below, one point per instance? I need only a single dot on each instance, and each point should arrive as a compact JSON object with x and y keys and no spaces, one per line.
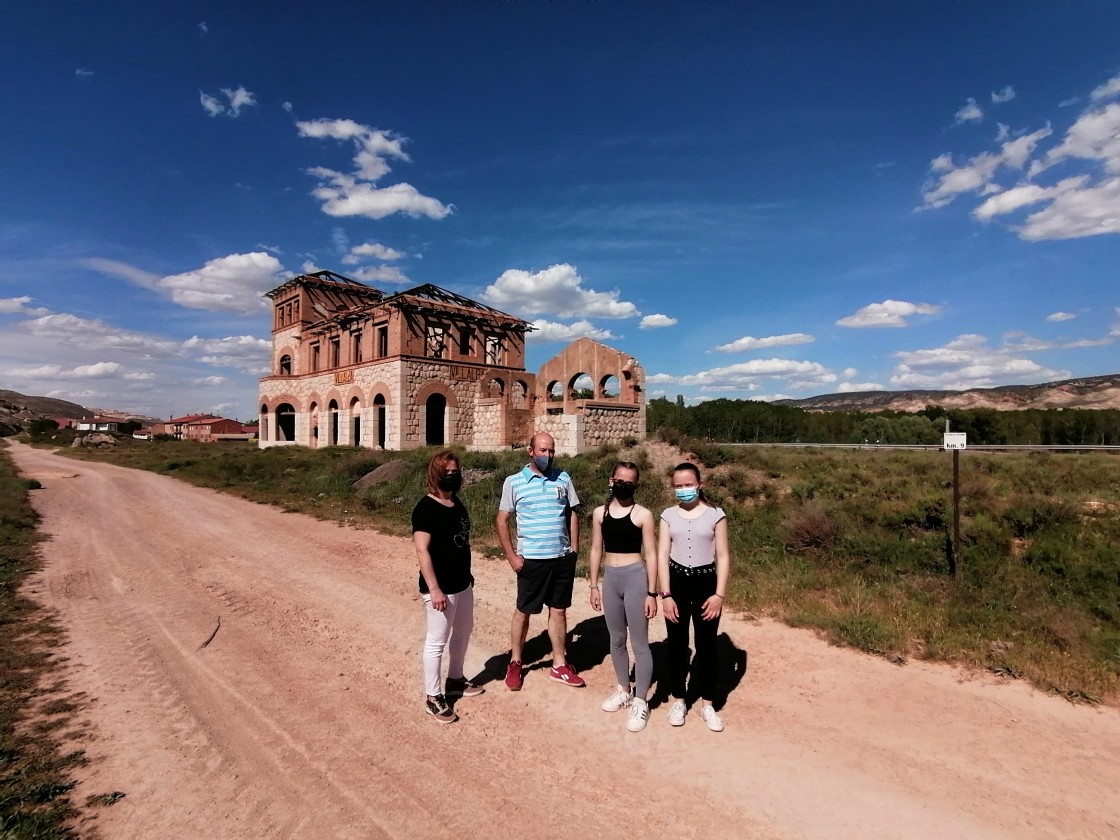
{"x":379,"y":410}
{"x":435,"y":420}
{"x":356,"y":422}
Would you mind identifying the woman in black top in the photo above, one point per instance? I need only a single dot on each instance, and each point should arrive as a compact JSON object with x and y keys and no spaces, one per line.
{"x":623,"y":571}
{"x":441,"y":533}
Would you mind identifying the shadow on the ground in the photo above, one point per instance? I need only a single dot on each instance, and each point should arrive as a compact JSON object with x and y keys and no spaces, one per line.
{"x":731,"y":664}
{"x":589,"y":644}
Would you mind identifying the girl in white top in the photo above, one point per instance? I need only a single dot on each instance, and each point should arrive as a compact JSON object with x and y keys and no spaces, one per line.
{"x":693,"y":566}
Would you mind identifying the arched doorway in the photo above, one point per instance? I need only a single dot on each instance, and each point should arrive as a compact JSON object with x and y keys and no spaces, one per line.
{"x":379,"y":405}
{"x":355,"y":422}
{"x":436,"y":413}
{"x":285,"y":422}
{"x":332,"y":436}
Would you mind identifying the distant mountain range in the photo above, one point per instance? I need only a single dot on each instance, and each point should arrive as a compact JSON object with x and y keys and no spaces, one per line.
{"x":1086,"y":392}
{"x":17,"y":410}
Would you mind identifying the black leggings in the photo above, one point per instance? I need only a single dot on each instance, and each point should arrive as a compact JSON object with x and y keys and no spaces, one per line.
{"x":690,"y":592}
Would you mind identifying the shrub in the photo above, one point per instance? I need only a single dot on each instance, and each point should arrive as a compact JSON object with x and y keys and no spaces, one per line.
{"x":810,"y":529}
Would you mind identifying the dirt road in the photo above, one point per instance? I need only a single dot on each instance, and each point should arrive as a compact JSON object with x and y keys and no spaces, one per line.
{"x":303,"y":716}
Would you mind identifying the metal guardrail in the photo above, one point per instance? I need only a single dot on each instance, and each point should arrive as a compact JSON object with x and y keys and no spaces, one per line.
{"x":935,"y":447}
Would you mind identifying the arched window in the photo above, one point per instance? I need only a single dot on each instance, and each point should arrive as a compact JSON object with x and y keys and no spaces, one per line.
{"x":285,"y":365}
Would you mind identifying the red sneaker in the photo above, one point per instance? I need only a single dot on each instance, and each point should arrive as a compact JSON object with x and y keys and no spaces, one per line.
{"x":566,"y":674}
{"x":513,"y":676}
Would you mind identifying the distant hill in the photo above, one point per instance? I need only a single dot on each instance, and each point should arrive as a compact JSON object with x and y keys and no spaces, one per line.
{"x":17,"y":410}
{"x":1086,"y":392}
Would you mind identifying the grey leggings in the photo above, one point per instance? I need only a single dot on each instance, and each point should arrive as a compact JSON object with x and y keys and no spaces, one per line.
{"x":624,"y":605}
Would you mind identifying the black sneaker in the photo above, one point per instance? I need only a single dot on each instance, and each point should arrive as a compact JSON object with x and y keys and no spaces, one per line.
{"x":462,"y":687}
{"x":437,"y":707}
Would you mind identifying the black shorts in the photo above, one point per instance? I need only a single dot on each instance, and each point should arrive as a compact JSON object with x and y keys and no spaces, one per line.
{"x":546,"y":583}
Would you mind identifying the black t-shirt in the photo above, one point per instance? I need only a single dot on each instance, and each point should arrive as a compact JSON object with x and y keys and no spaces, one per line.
{"x":450,"y":546}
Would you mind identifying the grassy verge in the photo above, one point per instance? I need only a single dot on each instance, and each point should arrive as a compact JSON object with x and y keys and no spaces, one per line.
{"x":851,"y":543}
{"x":34,"y":783}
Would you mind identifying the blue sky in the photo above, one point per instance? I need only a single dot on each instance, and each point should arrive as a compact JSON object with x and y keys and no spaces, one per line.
{"x":755,"y":202}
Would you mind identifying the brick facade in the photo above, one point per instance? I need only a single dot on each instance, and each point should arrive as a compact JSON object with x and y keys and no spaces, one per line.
{"x":354,"y":367}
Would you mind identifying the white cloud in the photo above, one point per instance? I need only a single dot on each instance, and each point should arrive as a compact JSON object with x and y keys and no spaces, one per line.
{"x":858,"y":387}
{"x":889,"y":313}
{"x":979,"y":170}
{"x":381,"y":274}
{"x":970,"y":112}
{"x":1077,"y":213}
{"x":557,"y":290}
{"x":234,"y":283}
{"x":1095,"y":137}
{"x":139,"y":376}
{"x":53,"y":371}
{"x":371,"y":249}
{"x":1107,"y":90}
{"x":1003,"y":133}
{"x":1061,"y":316}
{"x":9,"y":306}
{"x":750,"y":343}
{"x":1017,"y":197}
{"x":211,"y":104}
{"x":241,"y":352}
{"x":83,"y":73}
{"x":1088,"y":342}
{"x":356,"y":194}
{"x":1005,"y":95}
{"x":549,"y":331}
{"x":746,"y":375}
{"x":653,"y":322}
{"x":968,"y":362}
{"x":287,"y":106}
{"x":1073,"y":100}
{"x":203,"y":28}
{"x":237,"y":98}
{"x":272,"y":249}
{"x":1115,"y":331}
{"x":209,"y":381}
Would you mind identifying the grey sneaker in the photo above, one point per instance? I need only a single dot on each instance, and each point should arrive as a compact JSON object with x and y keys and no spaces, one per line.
{"x":462,"y":687}
{"x":619,"y":700}
{"x":639,"y":715}
{"x":437,"y":707}
{"x":714,"y":721}
{"x":677,"y":712}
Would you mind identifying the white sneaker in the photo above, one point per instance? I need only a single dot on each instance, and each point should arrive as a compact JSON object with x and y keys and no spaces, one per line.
{"x":714,"y":721}
{"x":639,"y":715}
{"x":619,"y":700}
{"x":677,"y":713}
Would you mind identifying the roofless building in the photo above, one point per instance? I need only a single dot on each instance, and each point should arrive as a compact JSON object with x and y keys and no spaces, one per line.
{"x":354,"y":366}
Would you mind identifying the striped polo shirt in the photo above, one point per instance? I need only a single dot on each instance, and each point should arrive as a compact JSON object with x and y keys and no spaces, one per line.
{"x":541,"y":504}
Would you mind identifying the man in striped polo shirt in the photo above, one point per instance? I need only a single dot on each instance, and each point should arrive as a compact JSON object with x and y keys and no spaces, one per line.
{"x":543,"y":499}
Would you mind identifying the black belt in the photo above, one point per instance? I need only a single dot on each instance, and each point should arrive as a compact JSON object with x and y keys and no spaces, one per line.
{"x":691,"y":571}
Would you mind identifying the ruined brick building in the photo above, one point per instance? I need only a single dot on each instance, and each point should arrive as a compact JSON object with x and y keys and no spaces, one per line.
{"x":354,"y":366}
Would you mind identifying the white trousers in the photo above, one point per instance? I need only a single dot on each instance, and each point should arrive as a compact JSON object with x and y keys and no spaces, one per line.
{"x":448,"y":629}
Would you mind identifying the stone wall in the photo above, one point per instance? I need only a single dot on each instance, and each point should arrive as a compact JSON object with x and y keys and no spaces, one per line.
{"x":566,"y":430}
{"x":489,"y":425}
{"x":604,"y":424}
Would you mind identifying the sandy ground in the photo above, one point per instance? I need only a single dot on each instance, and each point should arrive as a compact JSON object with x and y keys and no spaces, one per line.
{"x":303,"y":716}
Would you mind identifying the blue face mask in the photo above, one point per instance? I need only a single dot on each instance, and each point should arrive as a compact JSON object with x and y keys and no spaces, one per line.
{"x":542,"y":462}
{"x":687,"y":494}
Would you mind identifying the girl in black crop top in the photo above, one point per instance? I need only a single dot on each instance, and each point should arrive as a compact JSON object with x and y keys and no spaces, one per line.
{"x":623,"y":575}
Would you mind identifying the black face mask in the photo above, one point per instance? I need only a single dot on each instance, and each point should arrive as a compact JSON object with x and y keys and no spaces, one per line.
{"x":450,"y":483}
{"x":624,"y":490}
